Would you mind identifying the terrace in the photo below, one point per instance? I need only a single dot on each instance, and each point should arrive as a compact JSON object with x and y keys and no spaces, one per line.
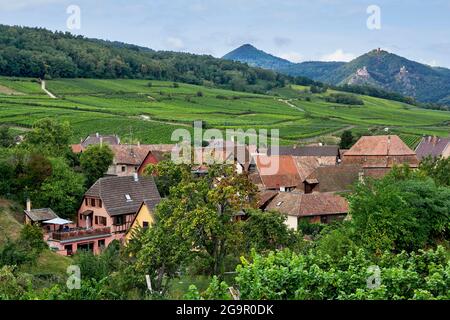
{"x":80,"y":234}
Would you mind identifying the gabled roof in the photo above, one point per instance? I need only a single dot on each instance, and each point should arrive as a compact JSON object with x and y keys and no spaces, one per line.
{"x":98,"y":138}
{"x":336,"y":178}
{"x":113,"y":191}
{"x":307,"y":165}
{"x":277,"y":171}
{"x":432,"y":146}
{"x":390,"y":145}
{"x":130,"y":154}
{"x":306,"y":151}
{"x":265,"y":197}
{"x":37,"y":215}
{"x":312,"y":204}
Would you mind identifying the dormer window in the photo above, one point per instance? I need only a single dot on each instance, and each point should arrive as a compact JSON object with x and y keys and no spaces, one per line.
{"x":128,"y":198}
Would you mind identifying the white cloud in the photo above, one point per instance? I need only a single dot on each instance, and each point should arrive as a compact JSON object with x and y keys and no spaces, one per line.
{"x":292,"y":56}
{"x":175,"y":43}
{"x":338,"y":55}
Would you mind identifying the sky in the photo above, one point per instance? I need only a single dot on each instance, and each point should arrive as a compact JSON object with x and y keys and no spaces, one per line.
{"x":297,"y":30}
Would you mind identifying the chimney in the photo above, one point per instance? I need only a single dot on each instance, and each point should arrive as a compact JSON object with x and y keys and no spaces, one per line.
{"x":136,"y":177}
{"x":28,"y":204}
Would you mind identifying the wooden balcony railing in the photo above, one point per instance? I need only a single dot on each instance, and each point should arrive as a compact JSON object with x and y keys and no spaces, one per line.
{"x":80,"y":233}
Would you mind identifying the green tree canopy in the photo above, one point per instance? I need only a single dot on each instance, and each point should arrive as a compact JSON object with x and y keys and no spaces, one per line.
{"x":95,"y":162}
{"x":50,"y":137}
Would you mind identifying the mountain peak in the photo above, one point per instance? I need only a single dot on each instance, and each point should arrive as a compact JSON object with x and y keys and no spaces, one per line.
{"x":251,"y":55}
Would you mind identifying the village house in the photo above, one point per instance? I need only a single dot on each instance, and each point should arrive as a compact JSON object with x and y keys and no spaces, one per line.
{"x":377,"y":155}
{"x":107,"y":212}
{"x":144,"y":217}
{"x":95,"y":139}
{"x":333,"y":178}
{"x":38,"y":216}
{"x":276,"y":173}
{"x":114,"y":201}
{"x":127,"y":159}
{"x":153,"y":157}
{"x":313,"y":208}
{"x":134,"y":158}
{"x":434,"y":147}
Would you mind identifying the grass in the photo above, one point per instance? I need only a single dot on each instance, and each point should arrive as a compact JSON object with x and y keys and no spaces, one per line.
{"x":9,"y":226}
{"x":118,"y":106}
{"x":49,"y":266}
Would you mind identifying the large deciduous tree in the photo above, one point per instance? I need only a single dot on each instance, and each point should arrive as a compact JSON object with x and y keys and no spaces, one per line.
{"x":50,"y":137}
{"x":95,"y":162}
{"x":62,"y":191}
{"x":201,"y":211}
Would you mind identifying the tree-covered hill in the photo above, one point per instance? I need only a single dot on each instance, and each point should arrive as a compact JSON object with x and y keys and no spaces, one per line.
{"x":37,"y":52}
{"x":377,"y":69}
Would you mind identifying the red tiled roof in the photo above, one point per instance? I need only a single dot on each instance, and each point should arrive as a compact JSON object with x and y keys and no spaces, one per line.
{"x":312,"y":204}
{"x":390,"y":145}
{"x":130,"y":154}
{"x":77,"y":148}
{"x":277,"y":171}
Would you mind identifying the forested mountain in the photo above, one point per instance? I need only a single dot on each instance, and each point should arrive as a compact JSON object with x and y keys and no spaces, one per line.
{"x":37,"y":52}
{"x":258,"y":58}
{"x":378,"y":69}
{"x":385,"y":70}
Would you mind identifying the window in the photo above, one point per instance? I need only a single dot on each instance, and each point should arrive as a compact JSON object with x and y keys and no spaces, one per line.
{"x":102,"y":221}
{"x":128,"y":197}
{"x":100,"y":203}
{"x":101,"y":243}
{"x":81,"y":217}
{"x":324,"y":219}
{"x":86,"y":201}
{"x":92,"y":202}
{"x":118,"y":220}
{"x":96,"y":219}
{"x":124,"y":168}
{"x":145,"y":224}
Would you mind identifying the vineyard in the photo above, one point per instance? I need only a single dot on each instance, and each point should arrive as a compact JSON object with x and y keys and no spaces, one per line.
{"x":150,"y":111}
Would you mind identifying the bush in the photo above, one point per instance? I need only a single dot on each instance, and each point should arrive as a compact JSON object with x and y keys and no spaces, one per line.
{"x":344,"y":99}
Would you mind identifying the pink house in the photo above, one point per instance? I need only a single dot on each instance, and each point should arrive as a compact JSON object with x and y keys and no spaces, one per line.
{"x":106,"y":213}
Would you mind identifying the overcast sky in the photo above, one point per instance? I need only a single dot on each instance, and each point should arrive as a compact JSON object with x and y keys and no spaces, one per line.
{"x":297,"y":30}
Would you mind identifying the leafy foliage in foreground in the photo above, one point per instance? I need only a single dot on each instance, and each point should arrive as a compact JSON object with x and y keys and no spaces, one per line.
{"x":315,"y":276}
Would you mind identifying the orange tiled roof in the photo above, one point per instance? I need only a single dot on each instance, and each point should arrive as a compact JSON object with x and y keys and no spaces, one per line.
{"x":390,"y":145}
{"x":277,"y":171}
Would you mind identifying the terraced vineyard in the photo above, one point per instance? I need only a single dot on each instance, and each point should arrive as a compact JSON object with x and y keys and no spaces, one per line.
{"x":135,"y":109}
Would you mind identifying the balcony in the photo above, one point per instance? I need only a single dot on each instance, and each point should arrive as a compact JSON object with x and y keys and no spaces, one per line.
{"x":80,"y":234}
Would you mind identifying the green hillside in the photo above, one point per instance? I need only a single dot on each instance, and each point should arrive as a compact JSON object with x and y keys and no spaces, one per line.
{"x":41,"y":53}
{"x":150,"y":111}
{"x":382,"y":70}
{"x":48,"y":264}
